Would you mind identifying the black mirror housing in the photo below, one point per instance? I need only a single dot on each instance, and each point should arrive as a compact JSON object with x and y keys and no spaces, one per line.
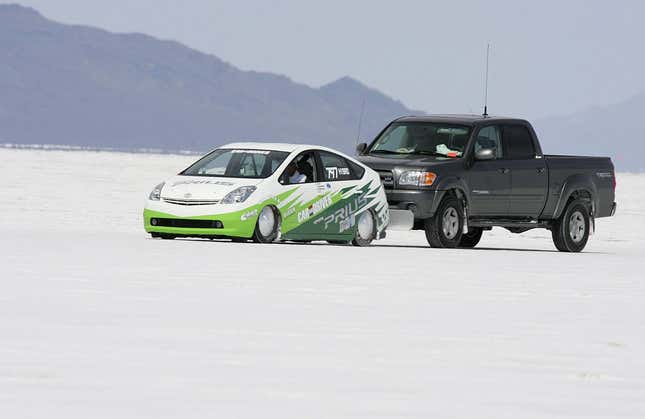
{"x":360,"y":148}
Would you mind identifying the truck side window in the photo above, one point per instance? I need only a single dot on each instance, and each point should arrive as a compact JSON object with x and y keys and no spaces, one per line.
{"x":518,"y":141}
{"x":489,"y":137}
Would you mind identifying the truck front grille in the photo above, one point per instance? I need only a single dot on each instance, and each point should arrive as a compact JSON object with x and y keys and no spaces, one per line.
{"x":387,"y":178}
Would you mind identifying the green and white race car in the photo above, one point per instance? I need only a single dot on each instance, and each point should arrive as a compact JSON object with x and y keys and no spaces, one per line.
{"x":269,"y":192}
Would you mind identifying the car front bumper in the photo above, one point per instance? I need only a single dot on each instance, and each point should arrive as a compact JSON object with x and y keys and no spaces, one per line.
{"x":199,"y":221}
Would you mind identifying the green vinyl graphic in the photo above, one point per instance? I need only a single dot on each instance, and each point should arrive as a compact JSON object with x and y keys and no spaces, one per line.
{"x":332,"y":215}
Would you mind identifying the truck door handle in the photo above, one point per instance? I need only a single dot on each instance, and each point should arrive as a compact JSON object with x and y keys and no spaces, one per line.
{"x":503,"y":170}
{"x":540,"y":170}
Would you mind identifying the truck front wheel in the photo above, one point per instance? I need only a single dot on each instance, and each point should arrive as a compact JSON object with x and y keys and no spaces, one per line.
{"x":473,"y":237}
{"x":445,"y":228}
{"x":571,"y":231}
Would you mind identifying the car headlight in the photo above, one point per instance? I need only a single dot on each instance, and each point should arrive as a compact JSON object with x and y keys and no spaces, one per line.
{"x":238,"y":195}
{"x":417,"y":178}
{"x":155,"y":195}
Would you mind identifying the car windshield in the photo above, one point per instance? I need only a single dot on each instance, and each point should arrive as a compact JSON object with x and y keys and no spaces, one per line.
{"x":424,"y":138}
{"x":240,"y":163}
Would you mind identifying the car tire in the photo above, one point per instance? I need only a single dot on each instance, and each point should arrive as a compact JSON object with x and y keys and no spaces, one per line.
{"x":267,"y":227}
{"x":472,"y":238}
{"x":571,"y":231}
{"x":365,"y":229}
{"x":445,"y":228}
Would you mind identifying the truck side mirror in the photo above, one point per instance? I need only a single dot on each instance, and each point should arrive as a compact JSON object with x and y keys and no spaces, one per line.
{"x":485,"y":154}
{"x":360,"y":148}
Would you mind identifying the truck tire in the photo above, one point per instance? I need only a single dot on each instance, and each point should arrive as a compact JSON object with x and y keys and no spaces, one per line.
{"x":445,"y":228}
{"x":268,"y":225}
{"x":472,"y":238}
{"x":571,"y":231}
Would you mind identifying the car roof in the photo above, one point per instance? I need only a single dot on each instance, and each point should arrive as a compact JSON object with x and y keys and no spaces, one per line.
{"x":460,"y":119}
{"x":287,"y":147}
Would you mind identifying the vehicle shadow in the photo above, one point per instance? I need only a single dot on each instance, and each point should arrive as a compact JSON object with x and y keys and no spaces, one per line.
{"x":392,"y":246}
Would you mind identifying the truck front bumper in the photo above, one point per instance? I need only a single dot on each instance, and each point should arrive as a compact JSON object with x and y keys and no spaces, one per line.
{"x":422,"y":203}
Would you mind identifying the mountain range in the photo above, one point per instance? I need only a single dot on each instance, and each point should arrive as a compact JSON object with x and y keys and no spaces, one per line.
{"x":77,"y":85}
{"x":82,"y":86}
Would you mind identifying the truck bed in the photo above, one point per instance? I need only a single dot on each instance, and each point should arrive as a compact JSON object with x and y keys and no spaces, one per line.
{"x":594,"y":173}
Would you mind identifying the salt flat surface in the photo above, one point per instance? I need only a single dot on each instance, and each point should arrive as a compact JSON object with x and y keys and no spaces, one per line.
{"x":97,"y":320}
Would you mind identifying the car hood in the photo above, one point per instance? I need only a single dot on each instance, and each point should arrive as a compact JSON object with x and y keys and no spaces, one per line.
{"x":203,"y":188}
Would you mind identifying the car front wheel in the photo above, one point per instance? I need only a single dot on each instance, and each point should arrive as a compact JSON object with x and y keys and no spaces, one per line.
{"x":268,"y":225}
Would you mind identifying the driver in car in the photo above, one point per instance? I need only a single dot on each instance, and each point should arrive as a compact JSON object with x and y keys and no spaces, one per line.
{"x":294,"y":175}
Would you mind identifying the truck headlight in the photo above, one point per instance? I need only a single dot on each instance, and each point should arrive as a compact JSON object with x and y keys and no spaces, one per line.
{"x":417,"y":178}
{"x":155,"y":195}
{"x":238,"y":195}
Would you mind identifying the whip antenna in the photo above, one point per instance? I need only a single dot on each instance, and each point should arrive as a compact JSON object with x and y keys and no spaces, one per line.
{"x":486,"y":82}
{"x":360,"y":122}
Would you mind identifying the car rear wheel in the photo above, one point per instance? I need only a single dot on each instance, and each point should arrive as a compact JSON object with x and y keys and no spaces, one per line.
{"x":472,"y":238}
{"x":365,"y":229}
{"x":267,"y":226}
{"x":445,"y":228}
{"x":571,"y":231}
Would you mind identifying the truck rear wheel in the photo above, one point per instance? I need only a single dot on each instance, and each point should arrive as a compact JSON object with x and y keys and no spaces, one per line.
{"x":571,"y":231}
{"x":472,"y":238}
{"x":445,"y":228}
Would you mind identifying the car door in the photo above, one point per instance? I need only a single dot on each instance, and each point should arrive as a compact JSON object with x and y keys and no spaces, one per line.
{"x":298,"y":210}
{"x":338,"y":176}
{"x":489,"y":180}
{"x":529,"y":177}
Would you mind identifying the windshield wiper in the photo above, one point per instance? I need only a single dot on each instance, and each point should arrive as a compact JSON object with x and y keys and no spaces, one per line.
{"x":429,"y":153}
{"x":385,"y":152}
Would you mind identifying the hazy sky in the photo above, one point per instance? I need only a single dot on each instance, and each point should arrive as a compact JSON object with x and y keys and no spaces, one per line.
{"x":548,"y":57}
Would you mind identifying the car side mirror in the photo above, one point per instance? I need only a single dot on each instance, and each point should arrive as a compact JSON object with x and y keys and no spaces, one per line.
{"x":360,"y":148}
{"x":485,"y":154}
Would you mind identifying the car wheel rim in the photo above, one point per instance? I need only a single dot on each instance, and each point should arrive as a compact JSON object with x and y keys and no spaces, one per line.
{"x":266,"y":222}
{"x":365,"y":226}
{"x":577,"y":227}
{"x":450,"y":224}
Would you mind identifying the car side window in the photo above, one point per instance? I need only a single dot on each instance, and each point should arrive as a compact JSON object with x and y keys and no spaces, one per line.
{"x":335,"y":167}
{"x":302,"y":169}
{"x":518,"y":142}
{"x":489,"y":137}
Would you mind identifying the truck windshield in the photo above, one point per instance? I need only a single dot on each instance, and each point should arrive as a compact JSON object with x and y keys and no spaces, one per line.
{"x":427,"y":138}
{"x":237,"y":163}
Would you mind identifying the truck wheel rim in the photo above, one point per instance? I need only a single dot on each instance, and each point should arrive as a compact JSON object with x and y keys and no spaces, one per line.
{"x":365,"y":226}
{"x":577,"y":227}
{"x":450,"y":224}
{"x":266,"y":221}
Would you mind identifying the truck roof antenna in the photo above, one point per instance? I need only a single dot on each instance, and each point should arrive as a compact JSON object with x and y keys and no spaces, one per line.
{"x":360,"y":122}
{"x":485,"y":114}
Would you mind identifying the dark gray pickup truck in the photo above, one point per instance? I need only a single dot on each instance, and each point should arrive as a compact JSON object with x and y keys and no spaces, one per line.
{"x":455,"y":176}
